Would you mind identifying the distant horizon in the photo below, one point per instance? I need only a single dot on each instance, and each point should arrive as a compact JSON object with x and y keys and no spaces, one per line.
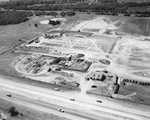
{"x":120,"y":1}
{"x":3,"y":0}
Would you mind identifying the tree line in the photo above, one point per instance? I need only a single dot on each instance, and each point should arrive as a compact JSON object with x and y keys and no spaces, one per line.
{"x":16,"y":17}
{"x":13,"y":17}
{"x":136,"y":82}
{"x":81,"y":7}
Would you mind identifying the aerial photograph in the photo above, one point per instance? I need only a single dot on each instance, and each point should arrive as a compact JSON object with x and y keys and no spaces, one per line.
{"x":74,"y":59}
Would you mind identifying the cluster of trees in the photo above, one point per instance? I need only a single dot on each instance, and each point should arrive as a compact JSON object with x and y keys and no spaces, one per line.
{"x":101,"y":9}
{"x":39,"y":13}
{"x":136,"y":82}
{"x":67,"y":13}
{"x":13,"y":112}
{"x":16,"y":17}
{"x":52,"y":22}
{"x":83,"y":7}
{"x":39,"y":2}
{"x":13,"y":17}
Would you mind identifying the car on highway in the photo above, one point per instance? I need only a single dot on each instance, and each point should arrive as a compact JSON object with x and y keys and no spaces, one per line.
{"x":72,"y":99}
{"x":56,"y":89}
{"x":61,"y":110}
{"x":8,"y":95}
{"x":99,"y":101}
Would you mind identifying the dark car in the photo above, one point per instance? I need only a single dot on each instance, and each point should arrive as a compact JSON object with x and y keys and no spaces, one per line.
{"x":9,"y":95}
{"x":72,"y":99}
{"x":94,"y":86}
{"x":99,"y":101}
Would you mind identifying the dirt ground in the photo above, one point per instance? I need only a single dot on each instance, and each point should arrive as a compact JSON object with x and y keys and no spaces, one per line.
{"x":8,"y":71}
{"x":9,"y":37}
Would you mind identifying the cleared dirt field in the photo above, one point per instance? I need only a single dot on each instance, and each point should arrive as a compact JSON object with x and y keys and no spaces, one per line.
{"x":9,"y":36}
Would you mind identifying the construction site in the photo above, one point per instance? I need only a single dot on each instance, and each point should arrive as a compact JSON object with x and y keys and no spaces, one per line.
{"x":89,"y":54}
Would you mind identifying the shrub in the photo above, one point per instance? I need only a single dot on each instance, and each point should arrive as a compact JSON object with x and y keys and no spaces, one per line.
{"x":35,"y":25}
{"x":38,"y":13}
{"x":70,"y":13}
{"x":63,"y":14}
{"x":52,"y":22}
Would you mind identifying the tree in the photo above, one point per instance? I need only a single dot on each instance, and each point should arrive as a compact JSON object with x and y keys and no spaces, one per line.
{"x":136,"y":82}
{"x":13,"y":112}
{"x":35,"y":25}
{"x":71,"y":13}
{"x":63,"y":14}
{"x":53,"y":22}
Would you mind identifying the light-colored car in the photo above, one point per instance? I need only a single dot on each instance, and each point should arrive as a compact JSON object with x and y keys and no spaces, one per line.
{"x":61,"y":110}
{"x":57,"y":89}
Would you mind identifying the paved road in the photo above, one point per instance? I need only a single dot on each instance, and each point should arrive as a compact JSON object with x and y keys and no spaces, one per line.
{"x":83,"y":108}
{"x":47,"y":107}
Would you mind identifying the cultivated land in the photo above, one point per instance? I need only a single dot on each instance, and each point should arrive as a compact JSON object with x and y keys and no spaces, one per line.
{"x":102,"y":56}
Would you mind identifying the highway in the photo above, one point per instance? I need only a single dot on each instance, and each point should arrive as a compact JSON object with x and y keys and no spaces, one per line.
{"x":82,"y":109}
{"x":35,"y":103}
{"x":47,"y":107}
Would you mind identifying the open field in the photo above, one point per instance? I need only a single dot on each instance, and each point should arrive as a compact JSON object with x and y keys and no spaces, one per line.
{"x":134,"y":25}
{"x":27,"y":113}
{"x":10,"y":34}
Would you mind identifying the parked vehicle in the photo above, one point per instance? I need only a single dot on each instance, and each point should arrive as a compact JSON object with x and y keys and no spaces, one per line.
{"x":94,"y":86}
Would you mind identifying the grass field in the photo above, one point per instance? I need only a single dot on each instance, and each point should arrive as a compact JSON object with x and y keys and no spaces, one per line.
{"x":142,"y":93}
{"x":28,"y":113}
{"x":10,"y":34}
{"x":134,"y":25}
